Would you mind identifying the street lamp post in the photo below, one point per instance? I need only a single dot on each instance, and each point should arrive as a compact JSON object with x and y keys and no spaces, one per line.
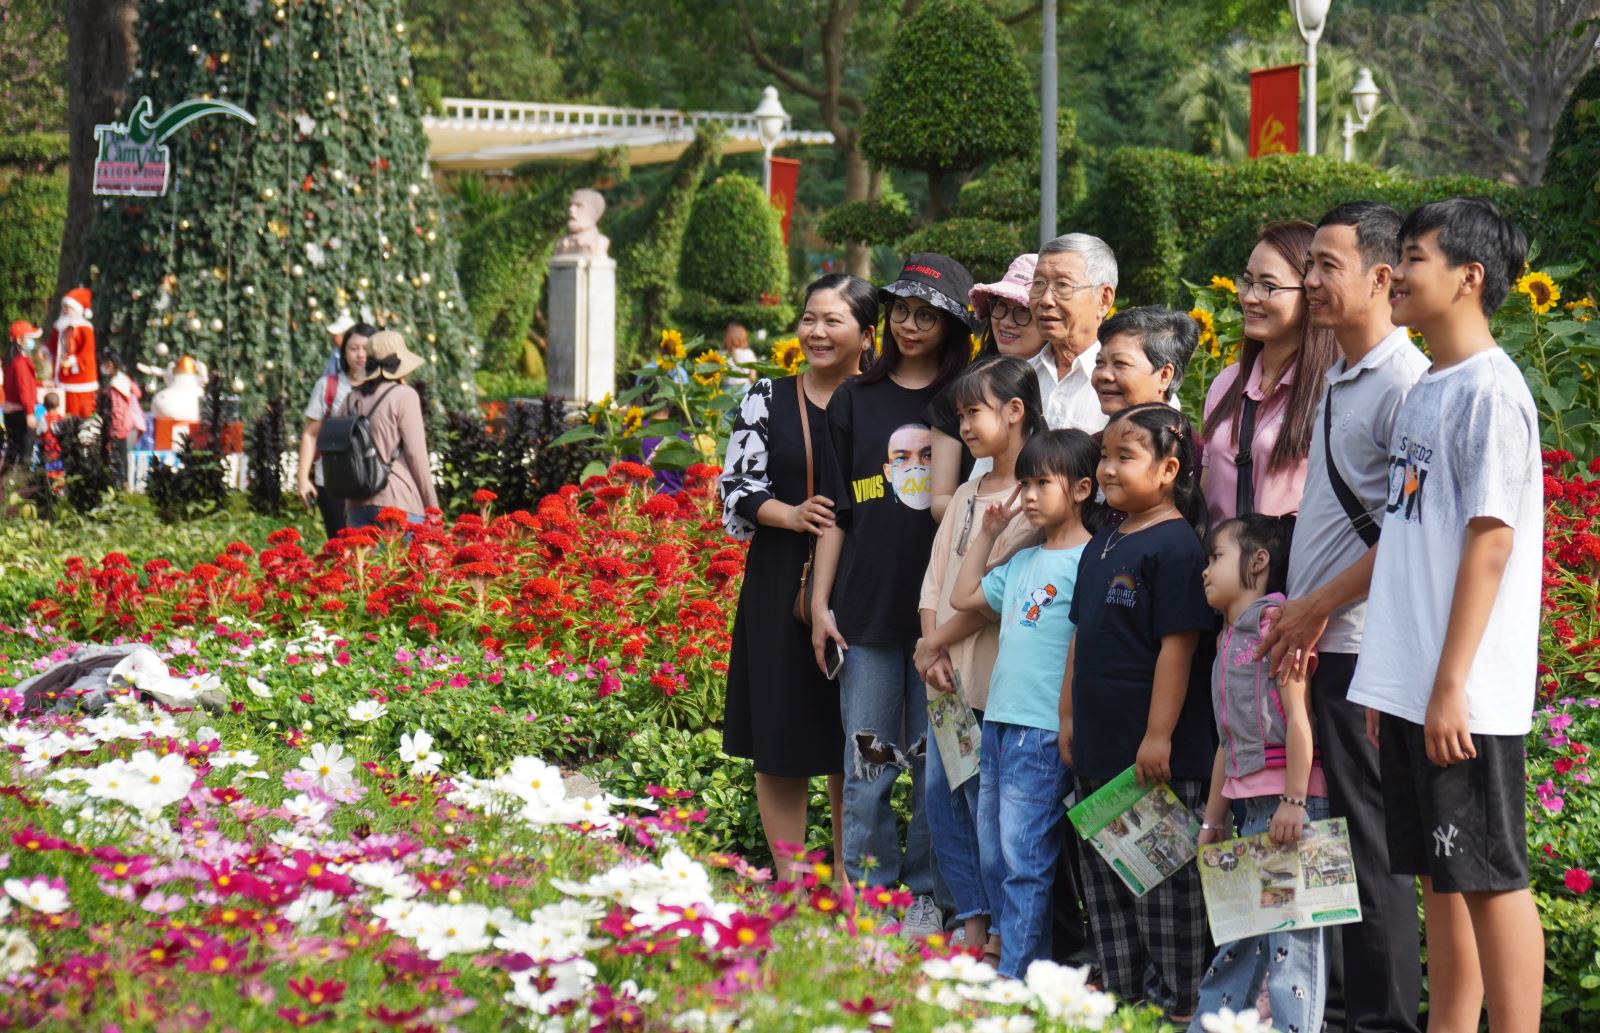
{"x":1364,"y":95}
{"x":1312,"y":17}
{"x":771,"y":120}
{"x":1047,"y":126}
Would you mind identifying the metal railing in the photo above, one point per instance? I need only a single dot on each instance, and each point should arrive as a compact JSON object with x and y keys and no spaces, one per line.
{"x":580,"y":119}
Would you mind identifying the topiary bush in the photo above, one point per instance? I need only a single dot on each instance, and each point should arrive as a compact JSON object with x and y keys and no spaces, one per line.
{"x":733,"y":263}
{"x":932,"y":105}
{"x":1571,"y":191}
{"x":33,"y":215}
{"x":266,"y":448}
{"x":866,"y":222}
{"x":985,"y":246}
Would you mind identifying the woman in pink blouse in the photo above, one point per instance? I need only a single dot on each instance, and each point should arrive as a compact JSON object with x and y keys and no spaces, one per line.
{"x":1269,"y":398}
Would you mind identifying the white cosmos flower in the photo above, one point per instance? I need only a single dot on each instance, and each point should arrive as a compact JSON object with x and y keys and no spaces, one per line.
{"x":17,"y":952}
{"x":306,"y":910}
{"x":386,"y":878}
{"x":37,"y":893}
{"x":962,"y":968}
{"x":1004,"y":1024}
{"x":417,"y":750}
{"x":1229,"y":1021}
{"x":228,"y":758}
{"x":303,"y":806}
{"x":366,"y":710}
{"x":448,"y":929}
{"x":1064,"y":994}
{"x":258,"y":688}
{"x":329,"y":765}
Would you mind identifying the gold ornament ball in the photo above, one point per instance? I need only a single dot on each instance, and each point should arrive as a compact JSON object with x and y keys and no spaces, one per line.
{"x":297,"y":270}
{"x":193,"y":325}
{"x":216,"y":325}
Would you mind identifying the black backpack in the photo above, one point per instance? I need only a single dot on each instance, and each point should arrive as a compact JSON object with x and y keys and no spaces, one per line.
{"x":351,"y":466}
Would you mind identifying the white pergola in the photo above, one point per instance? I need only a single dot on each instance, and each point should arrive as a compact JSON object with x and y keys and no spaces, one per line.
{"x":497,"y":135}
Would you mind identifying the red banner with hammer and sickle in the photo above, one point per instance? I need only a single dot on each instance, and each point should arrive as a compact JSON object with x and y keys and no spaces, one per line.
{"x":785,"y":173}
{"x":1275,"y":111}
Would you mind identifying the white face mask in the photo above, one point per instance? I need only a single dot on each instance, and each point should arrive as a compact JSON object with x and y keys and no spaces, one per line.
{"x":913,"y":486}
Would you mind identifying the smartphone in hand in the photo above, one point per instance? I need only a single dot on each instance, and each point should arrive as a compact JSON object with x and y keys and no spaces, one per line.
{"x":833,"y":656}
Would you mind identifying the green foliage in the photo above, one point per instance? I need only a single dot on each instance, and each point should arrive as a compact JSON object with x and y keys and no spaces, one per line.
{"x":505,"y":253}
{"x":495,"y":386}
{"x":1169,"y":215}
{"x":33,"y":213}
{"x":91,"y":475}
{"x":984,"y":246}
{"x":33,"y":65}
{"x":34,"y":151}
{"x":649,"y":243}
{"x":1572,"y":179}
{"x":867,"y":222}
{"x":195,"y":486}
{"x":733,"y":262}
{"x":951,"y":94}
{"x":269,"y":231}
{"x":266,"y":448}
{"x":1008,"y":190}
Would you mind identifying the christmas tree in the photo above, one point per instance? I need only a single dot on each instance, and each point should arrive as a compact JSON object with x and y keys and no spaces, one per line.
{"x":270,"y":232}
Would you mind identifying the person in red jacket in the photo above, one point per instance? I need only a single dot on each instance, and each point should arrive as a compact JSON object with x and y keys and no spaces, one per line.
{"x":21,"y":395}
{"x":72,"y":352}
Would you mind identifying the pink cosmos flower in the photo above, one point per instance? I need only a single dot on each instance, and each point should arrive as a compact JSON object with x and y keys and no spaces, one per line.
{"x":163,"y":903}
{"x":1578,"y":880}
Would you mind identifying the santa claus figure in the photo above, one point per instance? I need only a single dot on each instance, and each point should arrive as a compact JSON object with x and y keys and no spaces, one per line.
{"x":71,"y":347}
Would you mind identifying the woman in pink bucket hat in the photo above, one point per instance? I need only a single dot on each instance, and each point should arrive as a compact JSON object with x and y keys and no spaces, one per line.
{"x":1008,"y":329}
{"x":1008,"y":323}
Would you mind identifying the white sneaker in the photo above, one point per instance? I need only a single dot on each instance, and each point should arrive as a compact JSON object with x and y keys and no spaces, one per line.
{"x":923,"y":918}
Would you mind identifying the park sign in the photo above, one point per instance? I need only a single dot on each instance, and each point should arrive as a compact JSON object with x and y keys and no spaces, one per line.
{"x":134,"y":159}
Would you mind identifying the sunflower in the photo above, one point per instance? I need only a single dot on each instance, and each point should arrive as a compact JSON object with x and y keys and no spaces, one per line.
{"x":1208,"y":331}
{"x":1582,"y":310}
{"x":787,"y":354}
{"x":974,"y":346}
{"x":713,"y":376}
{"x":599,"y":407}
{"x":632,"y":419}
{"x":1542,"y":291}
{"x":671,"y":344}
{"x":1224,"y":283}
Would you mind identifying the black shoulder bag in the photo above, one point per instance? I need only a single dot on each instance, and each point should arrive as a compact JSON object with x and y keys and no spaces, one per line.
{"x":1360,"y":520}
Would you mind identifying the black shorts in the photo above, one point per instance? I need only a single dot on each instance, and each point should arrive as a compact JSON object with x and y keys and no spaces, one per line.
{"x":1464,"y":826}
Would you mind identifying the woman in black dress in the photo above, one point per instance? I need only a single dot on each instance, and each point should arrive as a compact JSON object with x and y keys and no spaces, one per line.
{"x":781,"y":711}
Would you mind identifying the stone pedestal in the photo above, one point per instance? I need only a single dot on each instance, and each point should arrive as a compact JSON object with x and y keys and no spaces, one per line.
{"x":583,"y":326}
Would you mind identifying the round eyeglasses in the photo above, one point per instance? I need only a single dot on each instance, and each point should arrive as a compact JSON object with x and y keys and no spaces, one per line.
{"x":925,"y":317}
{"x":1019,"y":314}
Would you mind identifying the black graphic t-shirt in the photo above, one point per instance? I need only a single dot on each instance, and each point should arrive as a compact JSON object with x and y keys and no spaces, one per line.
{"x":879,"y":476}
{"x":1145,"y":586}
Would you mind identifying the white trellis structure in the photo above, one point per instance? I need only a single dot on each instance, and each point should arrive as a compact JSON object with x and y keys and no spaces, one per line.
{"x":498,"y":135}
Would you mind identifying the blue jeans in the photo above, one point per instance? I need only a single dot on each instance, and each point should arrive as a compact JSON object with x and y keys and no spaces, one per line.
{"x":1291,"y":963}
{"x":953,"y":825}
{"x":367,"y":516}
{"x":885,"y":712}
{"x":1020,"y":812}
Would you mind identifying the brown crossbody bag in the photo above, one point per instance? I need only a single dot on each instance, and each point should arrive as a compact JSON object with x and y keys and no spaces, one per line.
{"x":802,"y":599}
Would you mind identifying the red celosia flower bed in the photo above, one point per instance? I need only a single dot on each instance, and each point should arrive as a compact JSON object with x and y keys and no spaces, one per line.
{"x":609,"y":571}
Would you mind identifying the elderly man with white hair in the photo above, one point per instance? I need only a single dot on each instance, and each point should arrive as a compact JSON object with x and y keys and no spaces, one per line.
{"x":1074,"y":286}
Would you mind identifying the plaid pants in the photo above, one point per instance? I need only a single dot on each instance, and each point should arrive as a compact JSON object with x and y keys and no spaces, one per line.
{"x":1153,"y":947}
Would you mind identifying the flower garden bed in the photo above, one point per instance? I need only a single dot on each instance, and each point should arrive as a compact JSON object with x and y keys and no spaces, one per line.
{"x":321,"y":852}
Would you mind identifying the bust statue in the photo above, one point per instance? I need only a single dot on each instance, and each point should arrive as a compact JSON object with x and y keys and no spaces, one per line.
{"x":583,"y":220}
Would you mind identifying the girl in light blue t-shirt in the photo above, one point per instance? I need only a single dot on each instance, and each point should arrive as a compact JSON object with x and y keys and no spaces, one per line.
{"x":1022,"y":778}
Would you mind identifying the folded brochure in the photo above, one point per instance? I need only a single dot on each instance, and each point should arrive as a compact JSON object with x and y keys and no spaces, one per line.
{"x":1255,"y":886}
{"x":1145,"y":833}
{"x":955,"y":727}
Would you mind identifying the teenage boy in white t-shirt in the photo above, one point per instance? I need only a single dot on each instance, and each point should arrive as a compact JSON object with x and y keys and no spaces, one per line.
{"x":1457,"y":578}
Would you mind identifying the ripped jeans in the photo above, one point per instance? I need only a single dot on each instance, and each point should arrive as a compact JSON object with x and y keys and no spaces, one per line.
{"x":884,"y":708}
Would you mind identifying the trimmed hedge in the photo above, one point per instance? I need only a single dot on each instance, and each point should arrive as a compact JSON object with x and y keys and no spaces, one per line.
{"x":1572,"y":180}
{"x":985,"y":246}
{"x":733,"y":260}
{"x":35,"y":151}
{"x":33,"y":215}
{"x":866,"y":222}
{"x":1170,"y":216}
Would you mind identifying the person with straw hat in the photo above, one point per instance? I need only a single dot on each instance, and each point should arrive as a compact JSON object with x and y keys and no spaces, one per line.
{"x":394,"y":410}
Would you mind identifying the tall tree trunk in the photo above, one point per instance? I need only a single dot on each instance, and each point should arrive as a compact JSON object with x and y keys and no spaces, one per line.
{"x":101,"y":51}
{"x":859,"y":185}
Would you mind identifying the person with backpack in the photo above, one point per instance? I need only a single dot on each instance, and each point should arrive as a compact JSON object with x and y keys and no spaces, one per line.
{"x":375,"y":456}
{"x":327,"y":400}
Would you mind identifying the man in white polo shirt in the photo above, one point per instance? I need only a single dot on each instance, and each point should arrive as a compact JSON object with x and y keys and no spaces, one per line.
{"x":1330,"y":570}
{"x":1074,"y":286}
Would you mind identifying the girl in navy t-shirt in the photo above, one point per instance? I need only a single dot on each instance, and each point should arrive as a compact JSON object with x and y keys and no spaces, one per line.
{"x":1131,"y":699}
